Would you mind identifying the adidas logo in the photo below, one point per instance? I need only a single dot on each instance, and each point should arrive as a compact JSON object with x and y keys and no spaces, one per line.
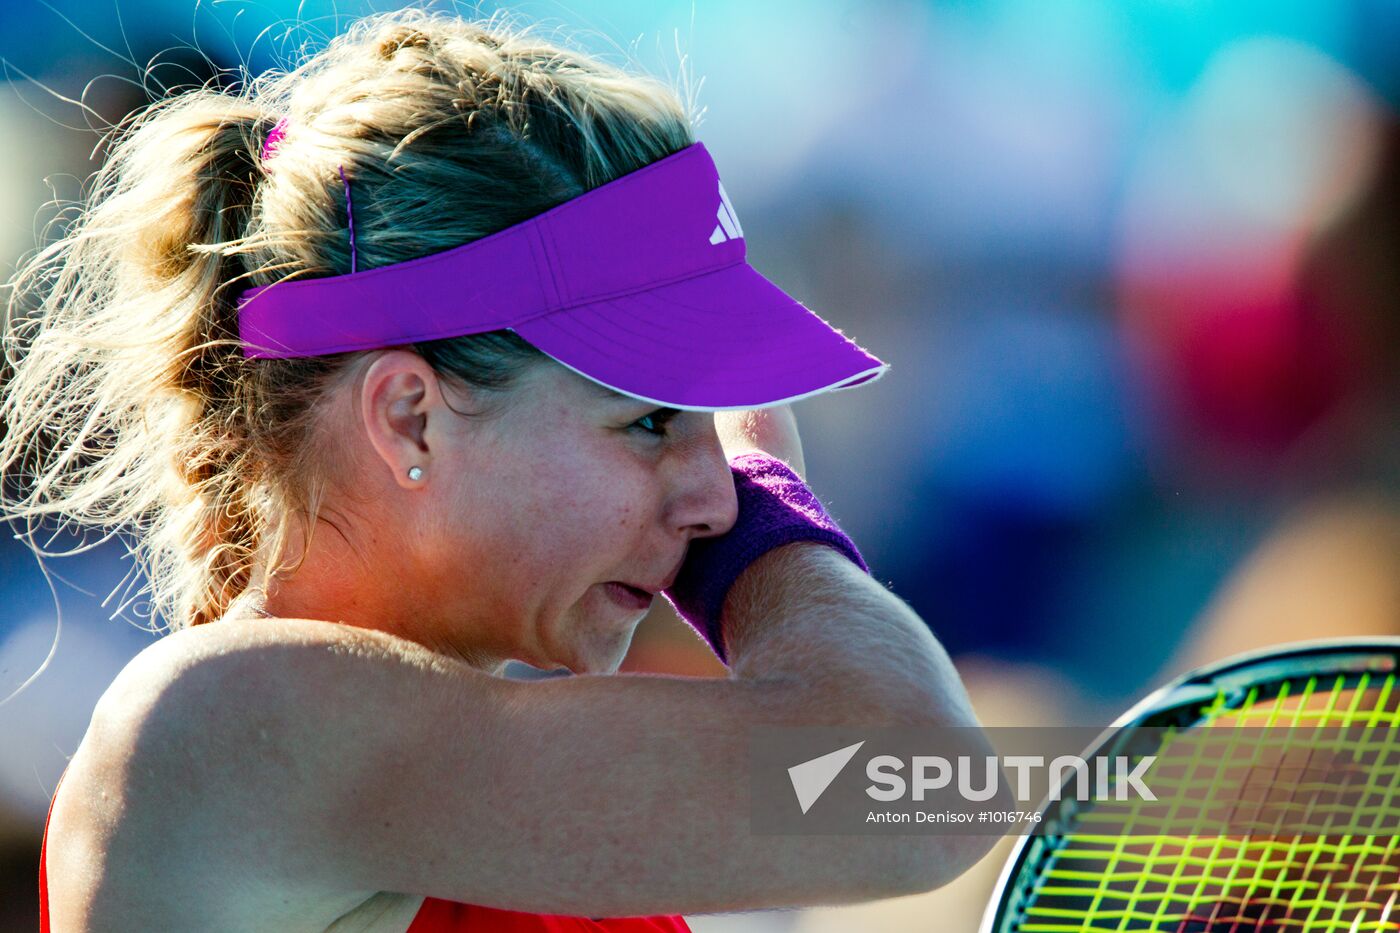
{"x":728,"y":227}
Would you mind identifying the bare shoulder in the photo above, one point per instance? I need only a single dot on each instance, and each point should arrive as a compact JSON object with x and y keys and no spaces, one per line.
{"x":226,"y":646}
{"x":213,"y":697}
{"x":247,"y":704}
{"x":171,"y":811}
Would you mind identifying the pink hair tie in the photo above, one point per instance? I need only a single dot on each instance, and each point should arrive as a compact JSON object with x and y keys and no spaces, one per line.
{"x":349,"y":217}
{"x":274,"y":138}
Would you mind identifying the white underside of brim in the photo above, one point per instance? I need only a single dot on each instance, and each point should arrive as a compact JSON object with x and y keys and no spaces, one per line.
{"x":868,"y":376}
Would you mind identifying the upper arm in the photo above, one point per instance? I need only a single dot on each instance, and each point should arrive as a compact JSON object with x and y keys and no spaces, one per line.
{"x":388,"y":768}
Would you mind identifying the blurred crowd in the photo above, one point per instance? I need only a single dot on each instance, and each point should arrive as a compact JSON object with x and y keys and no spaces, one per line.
{"x":1135,"y":266}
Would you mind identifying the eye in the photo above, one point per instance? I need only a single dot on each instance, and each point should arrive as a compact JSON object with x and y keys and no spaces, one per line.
{"x":655,"y":422}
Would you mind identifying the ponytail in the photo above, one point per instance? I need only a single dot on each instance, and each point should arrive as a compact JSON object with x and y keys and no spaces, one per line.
{"x":123,"y":410}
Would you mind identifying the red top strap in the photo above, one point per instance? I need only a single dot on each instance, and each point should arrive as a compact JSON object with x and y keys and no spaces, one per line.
{"x":43,"y":872}
{"x":439,"y":916}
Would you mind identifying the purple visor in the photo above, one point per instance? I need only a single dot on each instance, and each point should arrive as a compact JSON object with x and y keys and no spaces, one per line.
{"x":640,"y":285}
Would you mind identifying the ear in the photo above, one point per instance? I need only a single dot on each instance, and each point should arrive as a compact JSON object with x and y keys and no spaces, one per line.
{"x":399,"y":396}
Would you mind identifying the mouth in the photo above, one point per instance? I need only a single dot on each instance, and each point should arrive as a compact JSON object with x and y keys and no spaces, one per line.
{"x":628,"y":596}
{"x":640,"y":596}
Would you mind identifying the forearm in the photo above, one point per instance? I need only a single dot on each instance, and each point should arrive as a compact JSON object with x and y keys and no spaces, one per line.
{"x":804,"y":613}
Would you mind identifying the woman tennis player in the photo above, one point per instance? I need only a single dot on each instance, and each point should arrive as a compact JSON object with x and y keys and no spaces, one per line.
{"x":399,"y":366}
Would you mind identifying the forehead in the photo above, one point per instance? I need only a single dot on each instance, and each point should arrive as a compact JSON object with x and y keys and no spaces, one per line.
{"x":561,"y":382}
{"x":600,"y":391}
{"x":589,"y":390}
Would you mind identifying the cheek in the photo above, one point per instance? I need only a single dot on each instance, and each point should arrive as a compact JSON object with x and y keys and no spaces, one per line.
{"x":561,"y":500}
{"x":597,"y":512}
{"x":589,"y":516}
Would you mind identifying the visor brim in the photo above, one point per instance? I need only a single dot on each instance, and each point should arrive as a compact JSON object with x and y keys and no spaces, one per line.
{"x":727,"y":339}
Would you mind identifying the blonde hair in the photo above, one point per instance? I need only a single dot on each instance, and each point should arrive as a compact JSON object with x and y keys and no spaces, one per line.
{"x":131,"y":408}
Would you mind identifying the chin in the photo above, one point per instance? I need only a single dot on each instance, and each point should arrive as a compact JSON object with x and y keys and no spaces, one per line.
{"x":598,"y":645}
{"x":598,"y":665}
{"x":606,"y":659}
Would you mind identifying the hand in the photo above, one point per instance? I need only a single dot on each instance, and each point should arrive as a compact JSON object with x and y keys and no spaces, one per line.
{"x":770,"y":430}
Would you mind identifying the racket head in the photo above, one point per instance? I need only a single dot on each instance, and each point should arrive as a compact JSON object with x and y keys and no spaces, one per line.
{"x":1065,"y":880}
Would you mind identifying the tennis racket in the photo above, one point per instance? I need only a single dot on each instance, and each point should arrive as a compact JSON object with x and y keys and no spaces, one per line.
{"x":1072,"y":879}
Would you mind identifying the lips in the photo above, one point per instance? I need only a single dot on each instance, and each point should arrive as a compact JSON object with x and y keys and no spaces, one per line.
{"x":641,"y":595}
{"x":628,"y":596}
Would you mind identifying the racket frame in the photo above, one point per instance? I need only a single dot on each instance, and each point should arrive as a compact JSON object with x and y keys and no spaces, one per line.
{"x":1234,"y":674}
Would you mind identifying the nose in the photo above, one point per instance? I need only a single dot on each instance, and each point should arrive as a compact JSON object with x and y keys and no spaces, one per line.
{"x":704,"y":504}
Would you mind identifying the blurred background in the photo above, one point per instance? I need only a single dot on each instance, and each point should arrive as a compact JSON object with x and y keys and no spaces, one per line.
{"x":1134,"y":264}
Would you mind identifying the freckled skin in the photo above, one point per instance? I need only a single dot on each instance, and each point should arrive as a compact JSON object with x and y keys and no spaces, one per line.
{"x":503,"y":548}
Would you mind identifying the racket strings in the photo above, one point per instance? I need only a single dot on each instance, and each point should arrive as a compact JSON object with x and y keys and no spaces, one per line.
{"x":1271,"y":880}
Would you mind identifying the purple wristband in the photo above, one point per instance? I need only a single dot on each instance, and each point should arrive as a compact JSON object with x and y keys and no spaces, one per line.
{"x":775,"y":508}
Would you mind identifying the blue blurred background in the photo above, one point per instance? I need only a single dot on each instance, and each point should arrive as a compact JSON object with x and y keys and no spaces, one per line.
{"x":1134,"y":264}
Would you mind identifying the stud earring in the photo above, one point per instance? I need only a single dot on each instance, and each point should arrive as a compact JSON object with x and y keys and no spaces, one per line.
{"x":415,"y":473}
